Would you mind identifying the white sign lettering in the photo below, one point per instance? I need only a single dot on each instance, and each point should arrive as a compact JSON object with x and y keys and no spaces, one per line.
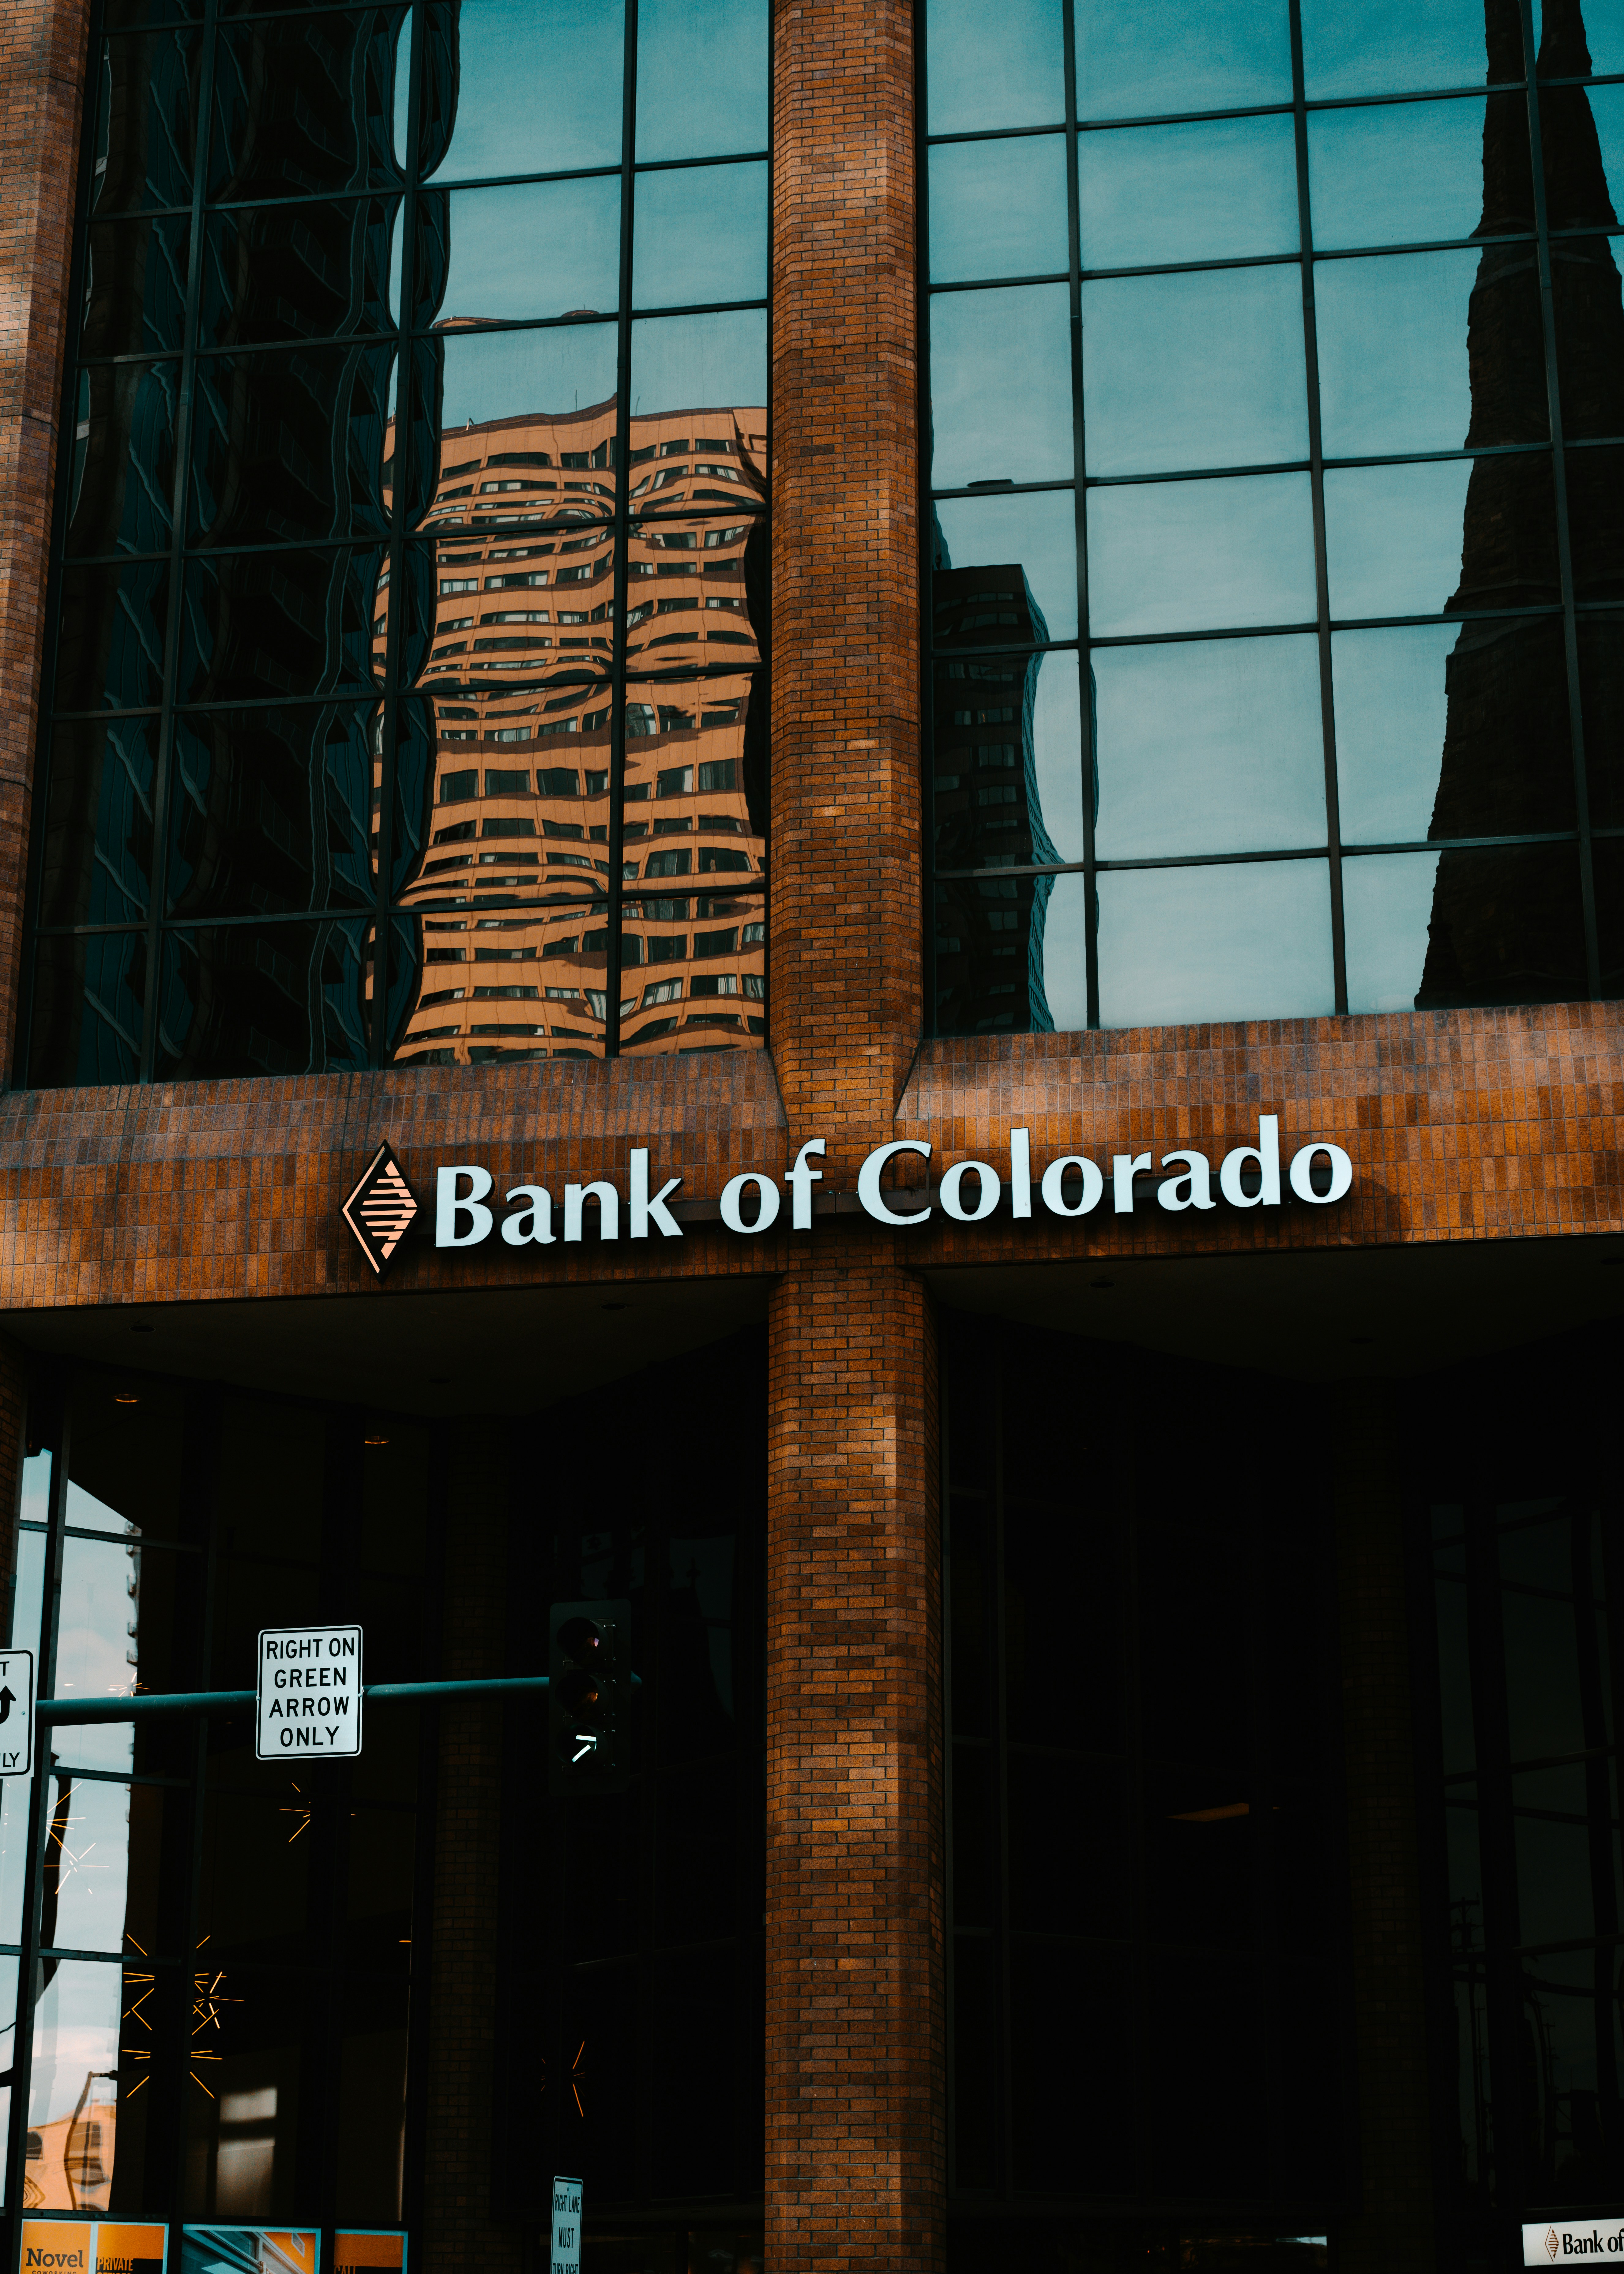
{"x":1559,"y":2242}
{"x":566,"y":2227}
{"x":16,"y":1714}
{"x":309,"y":1693}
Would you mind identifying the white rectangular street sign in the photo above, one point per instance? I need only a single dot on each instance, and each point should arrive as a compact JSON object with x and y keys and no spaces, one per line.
{"x":309,"y":1692}
{"x":15,"y":1713}
{"x":566,"y":2227}
{"x":1560,"y":2242}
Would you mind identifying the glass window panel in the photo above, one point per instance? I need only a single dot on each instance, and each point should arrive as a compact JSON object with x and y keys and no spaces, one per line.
{"x":1211,"y":748}
{"x":87,"y":1860}
{"x":146,"y":123}
{"x":1384,"y":47}
{"x":242,"y":2123}
{"x":1408,"y":173}
{"x":135,"y":286}
{"x":700,"y":234}
{"x":305,"y":104}
{"x":1035,"y":532}
{"x":1251,"y":941}
{"x":1453,"y":732}
{"x":121,"y":480}
{"x":1589,"y":336}
{"x":1447,"y":930}
{"x":511,"y":61}
{"x":1190,"y":556}
{"x":110,"y":652}
{"x":245,"y":1000}
{"x":1607,"y":856}
{"x":269,"y":809}
{"x":100,"y":1595}
{"x":1001,"y":386}
{"x":1151,"y":55}
{"x":72,"y":2089}
{"x":1393,"y":335}
{"x":534,"y":249}
{"x":1152,"y":403}
{"x":1598,"y":45}
{"x":296,"y":272}
{"x":1066,"y":2117}
{"x":85,"y":1024}
{"x":998,"y":209}
{"x":14,"y":1796}
{"x":290,"y":445}
{"x":699,"y":362}
{"x":1463,"y":533}
{"x":1000,"y":943}
{"x":269,"y":624}
{"x":1562,"y":117}
{"x":1219,"y":190}
{"x":702,"y":77}
{"x":1601,"y":685}
{"x":1566,"y":1842}
{"x":97,"y":821}
{"x":975,"y":83}
{"x":1007,"y":762}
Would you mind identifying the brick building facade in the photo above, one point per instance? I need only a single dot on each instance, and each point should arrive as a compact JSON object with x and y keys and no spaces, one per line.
{"x":203,"y":1216}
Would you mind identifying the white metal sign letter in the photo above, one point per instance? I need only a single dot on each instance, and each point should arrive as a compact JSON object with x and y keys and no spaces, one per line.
{"x":309,"y":1693}
{"x":16,"y":1714}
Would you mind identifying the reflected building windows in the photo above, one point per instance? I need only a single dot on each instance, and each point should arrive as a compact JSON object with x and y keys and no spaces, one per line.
{"x":1239,"y":357}
{"x":406,"y":564}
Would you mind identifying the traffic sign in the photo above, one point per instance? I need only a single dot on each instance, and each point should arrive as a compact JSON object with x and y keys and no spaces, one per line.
{"x":16,"y":1714}
{"x":566,"y":2227}
{"x":308,"y":1696}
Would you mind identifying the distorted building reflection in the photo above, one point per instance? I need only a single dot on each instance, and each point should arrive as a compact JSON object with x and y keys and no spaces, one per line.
{"x":1507,"y":924}
{"x":986,"y":803}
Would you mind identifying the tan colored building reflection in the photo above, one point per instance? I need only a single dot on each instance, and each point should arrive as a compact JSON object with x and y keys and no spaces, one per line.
{"x":511,"y":898}
{"x":69,"y":2160}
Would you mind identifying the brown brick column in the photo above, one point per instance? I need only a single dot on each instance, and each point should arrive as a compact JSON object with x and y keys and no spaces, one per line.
{"x":1393,"y":2233}
{"x":855,"y":2151}
{"x":844,"y":915}
{"x":459,"y":2232}
{"x":41,"y":75}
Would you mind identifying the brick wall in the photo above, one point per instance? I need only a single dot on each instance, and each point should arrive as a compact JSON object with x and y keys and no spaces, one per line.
{"x":41,"y":69}
{"x":855,"y":2150}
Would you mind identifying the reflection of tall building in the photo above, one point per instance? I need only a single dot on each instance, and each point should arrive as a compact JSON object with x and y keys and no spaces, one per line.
{"x":987,"y":808}
{"x":1505,"y":925}
{"x":519,"y":675}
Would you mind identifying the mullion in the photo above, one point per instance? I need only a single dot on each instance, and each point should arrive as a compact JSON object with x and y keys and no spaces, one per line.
{"x":157,"y":881}
{"x":1316,"y":475}
{"x":1263,"y":852}
{"x":1233,"y":261}
{"x":1564,"y":544}
{"x":1245,"y":111}
{"x":1087,"y":757}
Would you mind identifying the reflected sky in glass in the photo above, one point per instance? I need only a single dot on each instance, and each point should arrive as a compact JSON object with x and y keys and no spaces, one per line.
{"x":998,"y":209}
{"x":1037,"y":530}
{"x":1607,"y":109}
{"x":699,"y":362}
{"x":536,"y":249}
{"x":1247,"y":941}
{"x":702,"y":77}
{"x":1001,"y":386}
{"x":1191,"y":556}
{"x":525,"y":374}
{"x":700,"y":234}
{"x":1391,"y":712}
{"x":1393,"y":536}
{"x":1393,"y":368}
{"x":1138,"y":57}
{"x":1057,"y":745}
{"x":1387,"y":910}
{"x":1392,"y":47}
{"x":1203,"y":369}
{"x":1065,"y":954}
{"x":975,"y":83}
{"x":538,"y":89}
{"x":1211,"y":748}
{"x":1221,"y":189}
{"x":1604,"y":33}
{"x":1400,"y":173}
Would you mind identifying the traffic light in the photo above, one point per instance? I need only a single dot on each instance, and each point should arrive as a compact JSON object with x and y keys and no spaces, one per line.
{"x":589,"y":1698}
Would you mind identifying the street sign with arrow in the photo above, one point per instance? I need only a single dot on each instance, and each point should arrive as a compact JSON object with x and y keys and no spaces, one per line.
{"x":16,"y":1714}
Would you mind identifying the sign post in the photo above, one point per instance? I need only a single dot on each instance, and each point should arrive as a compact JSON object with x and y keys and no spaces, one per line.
{"x":566,"y":2227}
{"x":16,"y":1714}
{"x":308,"y":1695}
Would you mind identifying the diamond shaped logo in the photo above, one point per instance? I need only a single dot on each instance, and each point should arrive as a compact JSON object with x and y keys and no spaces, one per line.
{"x":380,"y":1210}
{"x":1553,"y":2243}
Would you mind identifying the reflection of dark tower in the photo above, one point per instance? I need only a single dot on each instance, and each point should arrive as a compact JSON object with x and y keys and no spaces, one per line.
{"x":1505,"y":924}
{"x":988,"y":815}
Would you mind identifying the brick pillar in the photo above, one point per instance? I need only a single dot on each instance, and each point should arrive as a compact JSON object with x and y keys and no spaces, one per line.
{"x":41,"y":75}
{"x":855,"y":2148}
{"x":1393,"y":2232}
{"x":460,"y":2234}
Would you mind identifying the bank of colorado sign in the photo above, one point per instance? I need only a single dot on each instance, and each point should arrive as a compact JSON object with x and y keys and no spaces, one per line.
{"x":468,"y":1210}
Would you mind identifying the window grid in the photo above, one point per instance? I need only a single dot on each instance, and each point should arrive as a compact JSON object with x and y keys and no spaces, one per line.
{"x":1332,"y":849}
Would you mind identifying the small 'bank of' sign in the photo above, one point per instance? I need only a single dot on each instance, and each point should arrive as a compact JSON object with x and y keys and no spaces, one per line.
{"x":308,"y":1689}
